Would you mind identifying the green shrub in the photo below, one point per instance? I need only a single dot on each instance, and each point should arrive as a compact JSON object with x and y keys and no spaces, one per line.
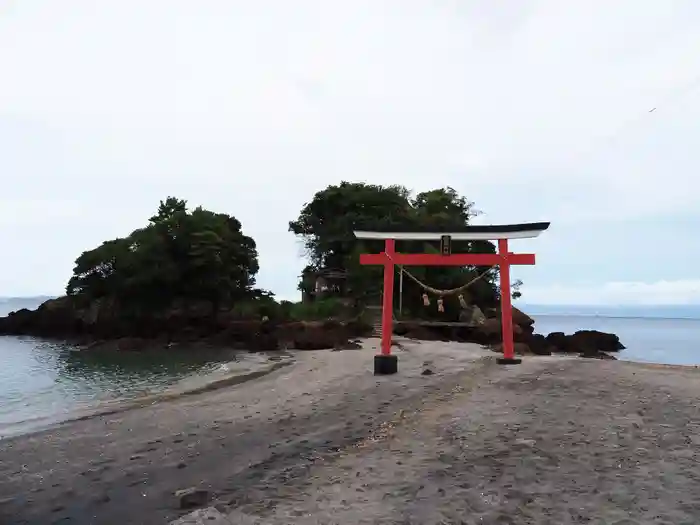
{"x":318,"y":310}
{"x":321,"y":310}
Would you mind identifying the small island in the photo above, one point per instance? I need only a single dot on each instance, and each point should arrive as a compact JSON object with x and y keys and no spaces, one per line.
{"x":314,"y":433}
{"x":189,"y":276}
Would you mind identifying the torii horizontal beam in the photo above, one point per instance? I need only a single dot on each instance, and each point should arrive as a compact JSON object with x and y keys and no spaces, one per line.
{"x":456,"y":259}
{"x":483,"y":232}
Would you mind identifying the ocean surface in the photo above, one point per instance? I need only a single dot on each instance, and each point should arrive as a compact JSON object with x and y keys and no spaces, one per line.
{"x":667,"y":334}
{"x":44,"y":382}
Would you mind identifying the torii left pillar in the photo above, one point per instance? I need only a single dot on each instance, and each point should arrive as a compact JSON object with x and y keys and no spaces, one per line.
{"x":387,"y":363}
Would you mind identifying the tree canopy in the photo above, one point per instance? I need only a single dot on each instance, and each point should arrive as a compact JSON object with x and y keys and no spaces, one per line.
{"x":326,"y":227}
{"x":199,"y":255}
{"x":179,"y":254}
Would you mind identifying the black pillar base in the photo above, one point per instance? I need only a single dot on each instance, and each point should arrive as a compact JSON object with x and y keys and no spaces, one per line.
{"x":386,"y":364}
{"x":509,"y":361}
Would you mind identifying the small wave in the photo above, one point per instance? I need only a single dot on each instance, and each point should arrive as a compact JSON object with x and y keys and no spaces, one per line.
{"x":224,"y":371}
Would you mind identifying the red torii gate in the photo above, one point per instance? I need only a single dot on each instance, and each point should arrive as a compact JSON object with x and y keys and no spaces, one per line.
{"x":385,"y":362}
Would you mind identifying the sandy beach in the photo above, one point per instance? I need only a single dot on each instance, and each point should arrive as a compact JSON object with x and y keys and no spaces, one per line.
{"x":555,"y":440}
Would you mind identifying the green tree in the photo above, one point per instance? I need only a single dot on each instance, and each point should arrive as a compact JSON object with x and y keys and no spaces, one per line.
{"x":180,"y":255}
{"x":326,"y":226}
{"x":444,"y":209}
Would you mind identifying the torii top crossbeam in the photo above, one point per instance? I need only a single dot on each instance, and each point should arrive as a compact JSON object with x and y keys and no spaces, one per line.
{"x":487,"y":232}
{"x":385,"y":362}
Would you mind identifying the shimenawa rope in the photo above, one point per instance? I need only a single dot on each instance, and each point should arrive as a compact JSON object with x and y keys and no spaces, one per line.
{"x":441,"y":293}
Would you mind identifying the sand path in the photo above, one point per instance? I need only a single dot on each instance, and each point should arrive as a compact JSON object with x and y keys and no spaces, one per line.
{"x":554,"y":443}
{"x":324,"y":441}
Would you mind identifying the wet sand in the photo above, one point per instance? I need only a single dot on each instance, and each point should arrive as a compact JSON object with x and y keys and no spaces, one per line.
{"x":554,"y":440}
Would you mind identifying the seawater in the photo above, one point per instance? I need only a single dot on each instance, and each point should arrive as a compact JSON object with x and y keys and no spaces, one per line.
{"x":44,"y":382}
{"x":648,"y":339}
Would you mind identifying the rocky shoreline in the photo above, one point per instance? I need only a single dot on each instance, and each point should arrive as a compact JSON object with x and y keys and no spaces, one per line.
{"x":487,"y":331}
{"x":59,"y":319}
{"x":92,"y":328}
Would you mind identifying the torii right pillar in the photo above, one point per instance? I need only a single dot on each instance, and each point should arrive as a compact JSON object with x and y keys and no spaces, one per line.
{"x":506,"y":307}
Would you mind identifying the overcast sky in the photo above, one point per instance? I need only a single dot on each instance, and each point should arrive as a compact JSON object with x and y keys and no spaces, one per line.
{"x":535,"y":110}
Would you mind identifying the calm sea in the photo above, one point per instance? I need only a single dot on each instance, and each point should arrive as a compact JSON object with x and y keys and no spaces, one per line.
{"x":654,"y":334}
{"x":45,"y":382}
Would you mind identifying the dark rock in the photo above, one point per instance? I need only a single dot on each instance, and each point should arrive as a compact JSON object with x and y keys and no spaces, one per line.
{"x":192,"y":497}
{"x":539,"y":344}
{"x":490,"y":328}
{"x":559,"y":341}
{"x":401,"y":329}
{"x":350,"y":345}
{"x":415,"y":330}
{"x":593,"y":339}
{"x":54,"y":317}
{"x":522,"y":319}
{"x":526,"y":329}
{"x":585,"y":341}
{"x":314,"y":335}
{"x":490,"y":332}
{"x":595,"y":354}
{"x":101,"y":326}
{"x":427,"y":372}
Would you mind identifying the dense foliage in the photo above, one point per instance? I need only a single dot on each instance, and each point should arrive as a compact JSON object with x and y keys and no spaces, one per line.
{"x":326,"y":224}
{"x":181,"y":255}
{"x":193,"y":256}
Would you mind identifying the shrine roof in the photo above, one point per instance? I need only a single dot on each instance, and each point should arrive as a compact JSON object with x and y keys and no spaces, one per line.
{"x":471,"y":233}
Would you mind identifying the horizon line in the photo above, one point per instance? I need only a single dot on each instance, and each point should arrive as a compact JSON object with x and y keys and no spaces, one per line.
{"x":515,"y":303}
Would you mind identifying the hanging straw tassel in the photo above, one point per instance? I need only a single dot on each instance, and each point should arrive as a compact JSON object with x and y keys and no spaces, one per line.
{"x":426,"y":299}
{"x":441,"y":307}
{"x":462,"y":302}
